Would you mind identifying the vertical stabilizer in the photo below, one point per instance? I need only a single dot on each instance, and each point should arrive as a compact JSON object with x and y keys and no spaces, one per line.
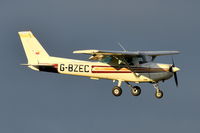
{"x":33,"y":49}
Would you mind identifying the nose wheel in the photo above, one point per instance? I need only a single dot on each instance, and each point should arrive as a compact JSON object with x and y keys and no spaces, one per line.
{"x":158,"y":93}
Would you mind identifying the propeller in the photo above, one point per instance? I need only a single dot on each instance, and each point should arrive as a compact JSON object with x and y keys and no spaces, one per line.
{"x":174,"y":69}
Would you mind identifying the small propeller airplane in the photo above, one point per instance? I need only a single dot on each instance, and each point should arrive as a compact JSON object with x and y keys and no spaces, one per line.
{"x":122,"y":66}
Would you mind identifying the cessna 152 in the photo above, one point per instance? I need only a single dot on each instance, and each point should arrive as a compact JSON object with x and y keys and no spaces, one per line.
{"x":121,"y":66}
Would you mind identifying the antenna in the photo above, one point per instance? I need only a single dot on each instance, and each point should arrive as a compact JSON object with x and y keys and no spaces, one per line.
{"x":121,"y":46}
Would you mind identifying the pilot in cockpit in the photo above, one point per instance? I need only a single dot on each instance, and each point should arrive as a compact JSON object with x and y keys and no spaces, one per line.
{"x":135,"y":61}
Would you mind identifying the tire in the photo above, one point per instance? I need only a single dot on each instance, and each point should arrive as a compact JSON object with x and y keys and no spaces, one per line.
{"x":117,"y":91}
{"x":136,"y":91}
{"x":159,"y":94}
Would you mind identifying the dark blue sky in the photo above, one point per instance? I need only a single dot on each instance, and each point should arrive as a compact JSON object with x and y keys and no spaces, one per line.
{"x":47,"y":103}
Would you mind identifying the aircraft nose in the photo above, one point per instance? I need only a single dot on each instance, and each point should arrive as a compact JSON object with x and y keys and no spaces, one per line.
{"x":175,"y":69}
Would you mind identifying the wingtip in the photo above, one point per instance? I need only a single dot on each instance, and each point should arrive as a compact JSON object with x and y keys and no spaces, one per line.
{"x":178,"y":52}
{"x":24,"y":32}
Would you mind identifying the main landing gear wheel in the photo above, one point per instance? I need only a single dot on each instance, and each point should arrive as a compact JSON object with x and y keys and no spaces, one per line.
{"x":159,"y":94}
{"x":136,"y":91}
{"x":117,"y":91}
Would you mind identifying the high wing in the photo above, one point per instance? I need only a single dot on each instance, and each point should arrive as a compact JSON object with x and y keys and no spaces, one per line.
{"x":101,"y":53}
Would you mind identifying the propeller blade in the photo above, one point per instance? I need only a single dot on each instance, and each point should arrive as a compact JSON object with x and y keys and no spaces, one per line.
{"x":175,"y":75}
{"x":176,"y":79}
{"x":173,"y":62}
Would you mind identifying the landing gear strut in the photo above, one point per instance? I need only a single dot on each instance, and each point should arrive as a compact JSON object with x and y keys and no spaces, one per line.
{"x":135,"y":90}
{"x":158,"y":93}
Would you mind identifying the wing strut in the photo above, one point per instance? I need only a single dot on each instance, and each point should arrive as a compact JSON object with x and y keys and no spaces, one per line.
{"x":129,"y":67}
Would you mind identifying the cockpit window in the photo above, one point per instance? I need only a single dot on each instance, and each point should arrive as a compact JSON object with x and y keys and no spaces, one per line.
{"x":136,"y":60}
{"x":129,"y":59}
{"x":106,"y":59}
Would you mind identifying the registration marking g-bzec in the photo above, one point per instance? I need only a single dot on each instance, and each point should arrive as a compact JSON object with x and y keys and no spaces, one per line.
{"x":74,"y":68}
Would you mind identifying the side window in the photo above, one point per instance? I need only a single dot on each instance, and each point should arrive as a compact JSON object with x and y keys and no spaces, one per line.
{"x":142,"y":60}
{"x":130,"y":60}
{"x":136,"y":60}
{"x":107,"y":59}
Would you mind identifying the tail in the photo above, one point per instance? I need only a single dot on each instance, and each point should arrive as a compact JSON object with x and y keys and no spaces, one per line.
{"x":33,"y":49}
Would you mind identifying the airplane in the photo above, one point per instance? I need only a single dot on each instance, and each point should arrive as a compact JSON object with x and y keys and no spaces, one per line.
{"x":122,"y":66}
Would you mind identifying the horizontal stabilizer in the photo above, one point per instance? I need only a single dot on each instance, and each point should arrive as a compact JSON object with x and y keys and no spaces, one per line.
{"x":46,"y":64}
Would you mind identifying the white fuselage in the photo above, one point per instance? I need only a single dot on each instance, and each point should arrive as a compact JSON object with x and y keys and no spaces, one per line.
{"x":147,"y":72}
